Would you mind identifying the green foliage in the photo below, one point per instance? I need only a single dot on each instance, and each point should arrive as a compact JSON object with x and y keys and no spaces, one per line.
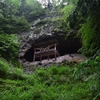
{"x":9,"y":46}
{"x":14,"y":25}
{"x":89,"y":71}
{"x":67,"y":10}
{"x":90,"y":37}
{"x":67,"y":82}
{"x":11,"y":22}
{"x":21,"y":24}
{"x":3,"y":69}
{"x":79,"y":82}
{"x":85,"y":20}
{"x":8,"y":71}
{"x":15,"y":15}
{"x":75,"y":82}
{"x":32,"y":10}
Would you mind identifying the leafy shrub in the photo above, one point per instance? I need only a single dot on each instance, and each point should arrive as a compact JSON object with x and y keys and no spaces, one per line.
{"x":4,"y":69}
{"x":7,"y":70}
{"x":9,"y":46}
{"x":54,"y":70}
{"x":14,"y":25}
{"x":90,"y":37}
{"x":75,"y":82}
{"x":16,"y":73}
{"x":20,"y":24}
{"x":67,"y":10}
{"x":89,"y":71}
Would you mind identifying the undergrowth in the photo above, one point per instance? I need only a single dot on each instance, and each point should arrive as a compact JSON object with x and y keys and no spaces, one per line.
{"x":75,"y":82}
{"x":90,"y":36}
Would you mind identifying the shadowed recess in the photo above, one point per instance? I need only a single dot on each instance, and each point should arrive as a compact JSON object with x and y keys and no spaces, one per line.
{"x":63,"y":47}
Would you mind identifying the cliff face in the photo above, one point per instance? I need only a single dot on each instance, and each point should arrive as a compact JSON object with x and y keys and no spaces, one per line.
{"x":45,"y":29}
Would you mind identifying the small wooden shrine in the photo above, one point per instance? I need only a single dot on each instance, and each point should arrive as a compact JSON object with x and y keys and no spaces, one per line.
{"x":45,"y":49}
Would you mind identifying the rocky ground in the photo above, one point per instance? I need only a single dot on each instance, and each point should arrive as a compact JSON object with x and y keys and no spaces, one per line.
{"x":73,"y":58}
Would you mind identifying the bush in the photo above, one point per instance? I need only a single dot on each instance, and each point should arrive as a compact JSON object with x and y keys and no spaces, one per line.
{"x":4,"y":69}
{"x":9,"y":46}
{"x":75,"y":82}
{"x":90,"y":37}
{"x":7,"y":70}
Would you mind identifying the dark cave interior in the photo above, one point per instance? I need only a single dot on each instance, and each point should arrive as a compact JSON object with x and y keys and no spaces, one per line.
{"x":64,"y":47}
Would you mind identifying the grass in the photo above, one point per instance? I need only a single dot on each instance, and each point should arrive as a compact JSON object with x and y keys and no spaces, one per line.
{"x":75,"y":82}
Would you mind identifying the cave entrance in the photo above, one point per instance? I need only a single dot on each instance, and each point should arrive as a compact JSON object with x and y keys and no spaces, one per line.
{"x":49,"y":50}
{"x":63,"y":47}
{"x":29,"y":55}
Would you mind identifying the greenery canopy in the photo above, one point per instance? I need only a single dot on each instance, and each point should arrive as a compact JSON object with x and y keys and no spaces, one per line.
{"x":68,"y":81}
{"x":79,"y":15}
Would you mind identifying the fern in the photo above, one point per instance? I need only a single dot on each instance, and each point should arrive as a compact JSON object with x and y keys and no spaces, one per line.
{"x":90,"y":38}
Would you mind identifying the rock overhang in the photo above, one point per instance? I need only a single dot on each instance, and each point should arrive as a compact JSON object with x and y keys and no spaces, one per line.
{"x":65,"y":46}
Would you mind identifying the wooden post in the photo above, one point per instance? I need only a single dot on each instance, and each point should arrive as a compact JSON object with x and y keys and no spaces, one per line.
{"x":55,"y":51}
{"x":34,"y":56}
{"x":40,"y":54}
{"x":48,"y":53}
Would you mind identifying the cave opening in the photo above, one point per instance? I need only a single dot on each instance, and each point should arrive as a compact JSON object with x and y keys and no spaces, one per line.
{"x":64,"y":47}
{"x":29,"y":55}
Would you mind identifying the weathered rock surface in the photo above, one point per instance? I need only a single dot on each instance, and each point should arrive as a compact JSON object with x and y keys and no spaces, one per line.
{"x":68,"y":58}
{"x":43,"y":30}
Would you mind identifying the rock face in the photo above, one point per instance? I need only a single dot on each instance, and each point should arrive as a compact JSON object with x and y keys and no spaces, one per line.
{"x":29,"y":67}
{"x":44,"y":30}
{"x":76,"y":58}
